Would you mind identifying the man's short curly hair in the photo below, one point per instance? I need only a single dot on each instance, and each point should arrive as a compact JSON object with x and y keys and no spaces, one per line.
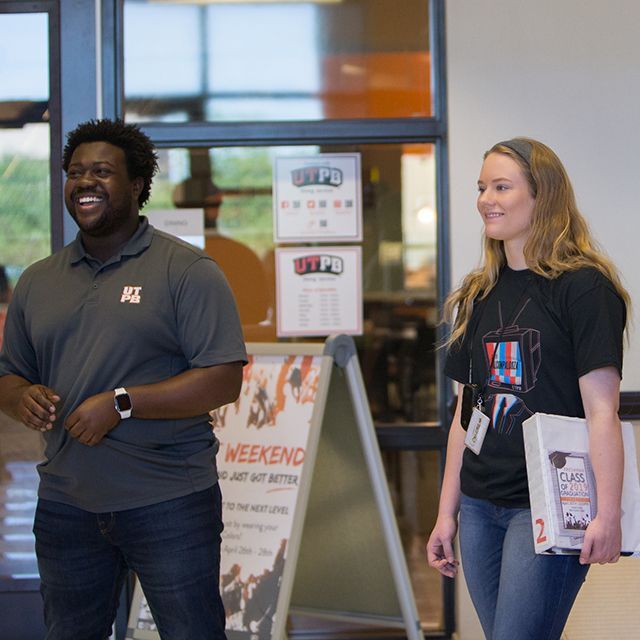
{"x":139,"y":151}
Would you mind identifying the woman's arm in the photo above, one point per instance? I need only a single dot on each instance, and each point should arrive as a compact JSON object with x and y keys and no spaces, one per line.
{"x":440,"y":553}
{"x":600,"y":391}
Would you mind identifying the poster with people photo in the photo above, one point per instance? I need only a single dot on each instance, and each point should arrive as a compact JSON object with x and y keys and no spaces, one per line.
{"x":263,"y":441}
{"x":575,"y":492}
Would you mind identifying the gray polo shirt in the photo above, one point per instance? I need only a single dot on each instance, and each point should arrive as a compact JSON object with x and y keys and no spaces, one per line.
{"x":154,"y":310}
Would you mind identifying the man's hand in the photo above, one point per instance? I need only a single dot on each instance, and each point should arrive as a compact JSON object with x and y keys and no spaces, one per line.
{"x":93,"y":419}
{"x":36,"y":407}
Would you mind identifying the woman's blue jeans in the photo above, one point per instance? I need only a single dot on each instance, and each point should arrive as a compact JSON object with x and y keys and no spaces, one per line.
{"x":173,"y":546}
{"x":517,"y":594}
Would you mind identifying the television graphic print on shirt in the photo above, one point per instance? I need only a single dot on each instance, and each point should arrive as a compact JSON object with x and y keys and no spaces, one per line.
{"x":512,"y":355}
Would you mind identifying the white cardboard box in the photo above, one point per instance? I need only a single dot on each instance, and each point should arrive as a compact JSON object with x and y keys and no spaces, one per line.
{"x":562,"y":485}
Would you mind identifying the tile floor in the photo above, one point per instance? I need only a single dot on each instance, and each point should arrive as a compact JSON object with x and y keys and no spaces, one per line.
{"x":20,"y":451}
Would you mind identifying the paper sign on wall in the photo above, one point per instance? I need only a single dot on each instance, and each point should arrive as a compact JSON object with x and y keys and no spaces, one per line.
{"x":317,"y":198}
{"x":186,"y":224}
{"x":319,"y":291}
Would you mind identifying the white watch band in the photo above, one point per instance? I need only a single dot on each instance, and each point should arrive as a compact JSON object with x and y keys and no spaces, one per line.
{"x":122,"y":402}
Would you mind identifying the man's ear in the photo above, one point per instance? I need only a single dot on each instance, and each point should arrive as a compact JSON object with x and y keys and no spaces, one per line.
{"x":138,"y":186}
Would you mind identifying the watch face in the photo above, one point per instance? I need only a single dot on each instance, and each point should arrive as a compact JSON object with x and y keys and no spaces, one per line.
{"x":124,"y":402}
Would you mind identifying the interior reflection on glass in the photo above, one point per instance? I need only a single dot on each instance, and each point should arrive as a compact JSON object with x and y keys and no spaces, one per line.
{"x":311,"y":60}
{"x":232,"y":187}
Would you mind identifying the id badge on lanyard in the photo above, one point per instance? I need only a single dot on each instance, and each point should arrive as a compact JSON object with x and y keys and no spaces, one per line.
{"x":472,"y":418}
{"x":476,"y":431}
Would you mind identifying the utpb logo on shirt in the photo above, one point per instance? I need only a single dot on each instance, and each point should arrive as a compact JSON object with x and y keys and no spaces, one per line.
{"x":131,"y":294}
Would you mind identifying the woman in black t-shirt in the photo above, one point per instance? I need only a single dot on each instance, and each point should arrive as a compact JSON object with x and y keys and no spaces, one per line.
{"x":545,"y":285}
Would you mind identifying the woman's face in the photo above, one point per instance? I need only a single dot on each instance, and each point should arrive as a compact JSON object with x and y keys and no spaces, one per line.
{"x":504,"y":200}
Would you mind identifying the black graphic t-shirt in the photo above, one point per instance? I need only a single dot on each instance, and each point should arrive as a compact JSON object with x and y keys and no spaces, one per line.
{"x":532,"y":340}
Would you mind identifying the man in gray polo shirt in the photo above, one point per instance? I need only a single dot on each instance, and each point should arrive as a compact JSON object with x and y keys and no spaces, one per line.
{"x":116,"y":348}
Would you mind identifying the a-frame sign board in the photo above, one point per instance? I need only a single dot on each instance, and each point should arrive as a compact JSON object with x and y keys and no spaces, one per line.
{"x":309,"y":523}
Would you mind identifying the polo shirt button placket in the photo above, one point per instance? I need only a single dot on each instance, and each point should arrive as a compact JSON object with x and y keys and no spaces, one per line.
{"x":92,"y":297}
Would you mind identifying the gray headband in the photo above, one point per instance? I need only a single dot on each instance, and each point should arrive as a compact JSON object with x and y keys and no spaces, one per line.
{"x":519,"y":146}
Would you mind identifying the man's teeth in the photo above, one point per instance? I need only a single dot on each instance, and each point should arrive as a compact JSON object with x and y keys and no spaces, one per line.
{"x":89,"y":199}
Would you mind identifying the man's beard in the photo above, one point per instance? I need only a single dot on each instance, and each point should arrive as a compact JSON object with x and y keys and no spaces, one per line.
{"x":110,"y":220}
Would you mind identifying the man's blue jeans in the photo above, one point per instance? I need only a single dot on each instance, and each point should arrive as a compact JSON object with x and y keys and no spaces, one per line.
{"x":517,"y":594}
{"x":173,"y":546}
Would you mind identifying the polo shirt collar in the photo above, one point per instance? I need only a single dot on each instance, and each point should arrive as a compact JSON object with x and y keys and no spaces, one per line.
{"x":137,"y":243}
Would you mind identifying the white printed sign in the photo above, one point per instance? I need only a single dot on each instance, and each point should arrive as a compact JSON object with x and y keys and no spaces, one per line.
{"x":317,"y":198}
{"x":263,"y":440}
{"x":186,"y":224}
{"x":319,"y":291}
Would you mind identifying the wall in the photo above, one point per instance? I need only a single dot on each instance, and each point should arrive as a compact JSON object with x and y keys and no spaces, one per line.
{"x":566,"y":72}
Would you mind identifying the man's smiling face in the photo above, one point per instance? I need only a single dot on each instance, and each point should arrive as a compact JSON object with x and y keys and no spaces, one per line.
{"x":99,"y":194}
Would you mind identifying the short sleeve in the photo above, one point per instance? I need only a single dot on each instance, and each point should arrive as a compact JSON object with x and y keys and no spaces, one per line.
{"x":208,"y":322}
{"x":458,"y":358}
{"x":597,"y":318}
{"x":17,"y":356}
{"x":456,"y":365}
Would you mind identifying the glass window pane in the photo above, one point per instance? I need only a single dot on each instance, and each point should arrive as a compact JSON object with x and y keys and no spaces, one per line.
{"x":232,"y":186}
{"x":24,"y":46}
{"x":262,"y":61}
{"x":24,"y":146}
{"x":25,"y":236}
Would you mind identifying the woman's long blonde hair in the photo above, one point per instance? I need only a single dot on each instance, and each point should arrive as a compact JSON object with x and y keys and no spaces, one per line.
{"x":559,"y":239}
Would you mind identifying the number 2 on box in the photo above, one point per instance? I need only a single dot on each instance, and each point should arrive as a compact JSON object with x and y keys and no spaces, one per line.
{"x":541,"y":537}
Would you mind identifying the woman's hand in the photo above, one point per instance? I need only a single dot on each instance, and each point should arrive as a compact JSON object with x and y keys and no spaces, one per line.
{"x":602,"y":541}
{"x":440,"y":546}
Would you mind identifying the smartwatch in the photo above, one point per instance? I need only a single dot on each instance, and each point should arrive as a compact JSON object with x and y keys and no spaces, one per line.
{"x":122,"y":402}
